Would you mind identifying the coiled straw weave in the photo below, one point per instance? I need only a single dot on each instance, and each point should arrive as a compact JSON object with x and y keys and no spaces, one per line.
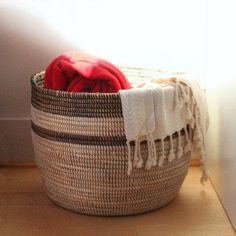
{"x":80,"y":148}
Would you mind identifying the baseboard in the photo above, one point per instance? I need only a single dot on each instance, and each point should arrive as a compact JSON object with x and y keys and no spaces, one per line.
{"x":15,"y":141}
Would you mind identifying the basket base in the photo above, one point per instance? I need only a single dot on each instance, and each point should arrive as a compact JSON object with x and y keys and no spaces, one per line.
{"x":132,"y":200}
{"x":68,"y":208}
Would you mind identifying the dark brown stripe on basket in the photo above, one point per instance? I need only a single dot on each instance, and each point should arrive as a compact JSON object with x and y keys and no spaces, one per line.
{"x":37,"y":82}
{"x":80,"y":111}
{"x":74,"y":104}
{"x":78,"y":139}
{"x":86,"y":140}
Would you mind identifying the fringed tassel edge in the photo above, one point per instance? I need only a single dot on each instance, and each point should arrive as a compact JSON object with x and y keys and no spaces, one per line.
{"x":129,"y":158}
{"x":137,"y":161}
{"x":162,"y":157}
{"x":187,"y":147}
{"x":194,"y":117}
{"x":152,"y":155}
{"x":199,"y":141}
{"x":180,"y":148}
{"x":171,"y":155}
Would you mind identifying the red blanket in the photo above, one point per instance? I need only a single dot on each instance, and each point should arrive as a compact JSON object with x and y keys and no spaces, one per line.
{"x":76,"y":72}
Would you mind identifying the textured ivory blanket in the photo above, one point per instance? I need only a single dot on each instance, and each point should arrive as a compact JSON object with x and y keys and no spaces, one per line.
{"x":157,"y":109}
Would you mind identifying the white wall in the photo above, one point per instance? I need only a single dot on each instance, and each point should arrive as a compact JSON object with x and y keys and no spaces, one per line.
{"x":167,"y":34}
{"x":221,"y":90}
{"x":27,"y":44}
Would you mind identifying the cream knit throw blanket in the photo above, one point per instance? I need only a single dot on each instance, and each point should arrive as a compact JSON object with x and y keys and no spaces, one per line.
{"x":156,"y":111}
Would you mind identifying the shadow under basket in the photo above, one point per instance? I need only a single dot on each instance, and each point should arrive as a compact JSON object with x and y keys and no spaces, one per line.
{"x":80,"y":149}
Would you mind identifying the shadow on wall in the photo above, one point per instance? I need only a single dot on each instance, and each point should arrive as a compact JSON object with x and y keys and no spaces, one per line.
{"x":27,"y":45}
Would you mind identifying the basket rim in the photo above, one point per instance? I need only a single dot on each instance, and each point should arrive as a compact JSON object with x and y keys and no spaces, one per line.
{"x":65,"y":94}
{"x":77,"y":95}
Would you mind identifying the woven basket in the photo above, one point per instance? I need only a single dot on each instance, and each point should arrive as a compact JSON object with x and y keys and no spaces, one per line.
{"x":80,"y":148}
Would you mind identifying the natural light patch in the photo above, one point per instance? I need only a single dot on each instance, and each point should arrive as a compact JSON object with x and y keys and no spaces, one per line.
{"x":169,"y":35}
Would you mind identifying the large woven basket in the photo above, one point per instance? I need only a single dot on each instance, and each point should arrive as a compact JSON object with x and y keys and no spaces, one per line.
{"x":80,"y":148}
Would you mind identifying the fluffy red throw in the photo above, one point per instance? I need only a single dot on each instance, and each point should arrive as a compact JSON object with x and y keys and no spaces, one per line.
{"x":77,"y":72}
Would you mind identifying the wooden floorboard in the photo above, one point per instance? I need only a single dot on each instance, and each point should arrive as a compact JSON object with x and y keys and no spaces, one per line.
{"x":25,"y":210}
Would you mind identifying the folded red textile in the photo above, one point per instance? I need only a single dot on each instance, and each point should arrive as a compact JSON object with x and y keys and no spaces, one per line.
{"x":77,"y":72}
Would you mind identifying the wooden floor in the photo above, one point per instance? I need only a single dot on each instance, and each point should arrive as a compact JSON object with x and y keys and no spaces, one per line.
{"x":26,"y":211}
